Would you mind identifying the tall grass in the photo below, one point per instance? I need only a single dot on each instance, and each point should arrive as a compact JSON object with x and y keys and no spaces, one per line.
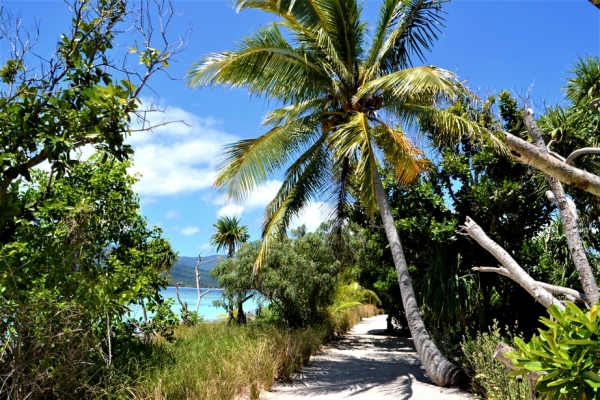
{"x":215,"y":361}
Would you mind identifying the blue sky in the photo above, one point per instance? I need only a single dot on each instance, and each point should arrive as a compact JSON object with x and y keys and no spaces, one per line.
{"x":494,"y":45}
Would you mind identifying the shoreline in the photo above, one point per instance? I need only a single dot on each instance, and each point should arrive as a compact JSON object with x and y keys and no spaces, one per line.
{"x":191,"y":287}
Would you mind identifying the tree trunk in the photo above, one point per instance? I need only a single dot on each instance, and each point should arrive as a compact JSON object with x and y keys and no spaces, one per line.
{"x":440,"y":370}
{"x":231,"y":250}
{"x":198,"y":282}
{"x":241,"y":317}
{"x":569,"y":218}
{"x":596,"y":3}
{"x":540,"y":159}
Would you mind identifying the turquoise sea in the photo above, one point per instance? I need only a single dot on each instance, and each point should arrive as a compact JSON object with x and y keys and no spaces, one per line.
{"x":206,"y":309}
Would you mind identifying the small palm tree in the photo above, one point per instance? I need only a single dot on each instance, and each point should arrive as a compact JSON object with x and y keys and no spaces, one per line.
{"x":229,"y":234}
{"x":348,"y":95}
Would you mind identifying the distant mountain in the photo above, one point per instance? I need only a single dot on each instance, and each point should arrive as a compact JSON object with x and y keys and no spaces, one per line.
{"x":184,"y":271}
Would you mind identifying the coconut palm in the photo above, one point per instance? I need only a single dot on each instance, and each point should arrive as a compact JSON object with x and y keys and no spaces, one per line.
{"x":229,"y":234}
{"x":348,"y":95}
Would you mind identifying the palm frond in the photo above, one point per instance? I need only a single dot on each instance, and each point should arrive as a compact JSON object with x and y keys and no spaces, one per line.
{"x":266,"y":65}
{"x":304,"y":181}
{"x":338,"y":194}
{"x":300,"y":13}
{"x":413,"y":82}
{"x":353,"y":140}
{"x":344,"y":33}
{"x":408,"y":161}
{"x":247,"y":163}
{"x":411,"y":30}
{"x":445,"y":126}
{"x":284,"y":115}
{"x":312,"y":26}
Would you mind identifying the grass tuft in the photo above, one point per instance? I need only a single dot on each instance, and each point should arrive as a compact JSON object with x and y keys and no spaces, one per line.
{"x":215,"y":361}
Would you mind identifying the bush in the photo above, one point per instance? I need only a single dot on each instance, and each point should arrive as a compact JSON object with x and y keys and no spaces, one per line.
{"x":490,"y":379}
{"x":567,"y":355}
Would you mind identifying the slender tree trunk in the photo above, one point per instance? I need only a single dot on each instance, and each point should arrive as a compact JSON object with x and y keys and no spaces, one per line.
{"x":439,"y":369}
{"x":569,"y":219}
{"x":198,"y":282}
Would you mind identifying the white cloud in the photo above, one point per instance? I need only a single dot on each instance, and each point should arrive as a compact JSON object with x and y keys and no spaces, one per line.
{"x":178,"y":157}
{"x":258,"y":199}
{"x":312,"y":216}
{"x":263,"y":195}
{"x":205,"y":246}
{"x":172,"y":214}
{"x":190,"y":230}
{"x":230,"y":210}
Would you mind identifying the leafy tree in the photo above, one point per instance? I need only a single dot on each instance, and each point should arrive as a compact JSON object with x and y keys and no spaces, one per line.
{"x":299,"y":279}
{"x":229,"y":234}
{"x":338,"y":89}
{"x":75,"y":254}
{"x":68,"y":280}
{"x":468,"y":179}
{"x":84,"y":93}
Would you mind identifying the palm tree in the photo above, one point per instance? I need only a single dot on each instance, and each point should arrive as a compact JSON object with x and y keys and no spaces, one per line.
{"x":348,"y":96}
{"x":229,"y":234}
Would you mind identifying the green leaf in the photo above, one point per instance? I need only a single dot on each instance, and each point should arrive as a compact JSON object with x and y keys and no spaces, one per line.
{"x":534,"y":366}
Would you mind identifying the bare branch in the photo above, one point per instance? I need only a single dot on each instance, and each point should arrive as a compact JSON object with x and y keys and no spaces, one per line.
{"x":529,"y":154}
{"x":498,"y":270}
{"x":517,"y":273}
{"x":580,"y":152}
{"x":574,"y":295}
{"x":571,"y":294}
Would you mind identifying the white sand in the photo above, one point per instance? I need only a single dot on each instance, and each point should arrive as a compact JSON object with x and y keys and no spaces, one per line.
{"x":365,"y":364}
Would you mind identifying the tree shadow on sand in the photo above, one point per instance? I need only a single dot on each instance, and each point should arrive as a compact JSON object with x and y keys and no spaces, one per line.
{"x":359,"y":363}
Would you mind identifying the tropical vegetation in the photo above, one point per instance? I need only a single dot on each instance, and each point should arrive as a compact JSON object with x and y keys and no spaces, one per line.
{"x":498,"y":263}
{"x":345,"y":101}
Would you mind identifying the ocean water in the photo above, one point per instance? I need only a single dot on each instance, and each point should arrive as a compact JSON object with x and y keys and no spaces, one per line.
{"x":206,"y":309}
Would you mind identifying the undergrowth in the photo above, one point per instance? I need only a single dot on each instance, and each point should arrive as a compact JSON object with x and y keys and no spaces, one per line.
{"x":490,"y":380}
{"x":215,"y":361}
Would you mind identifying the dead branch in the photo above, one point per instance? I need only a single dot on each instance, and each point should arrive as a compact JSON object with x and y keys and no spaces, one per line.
{"x":517,"y":273}
{"x":529,"y":154}
{"x":580,"y":152}
{"x":571,"y":294}
{"x":532,"y":377}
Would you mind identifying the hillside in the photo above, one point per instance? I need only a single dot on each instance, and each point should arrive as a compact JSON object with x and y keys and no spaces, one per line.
{"x":184,"y":272}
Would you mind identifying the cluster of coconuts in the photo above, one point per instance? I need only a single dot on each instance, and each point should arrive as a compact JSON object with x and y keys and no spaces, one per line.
{"x":374,"y":103}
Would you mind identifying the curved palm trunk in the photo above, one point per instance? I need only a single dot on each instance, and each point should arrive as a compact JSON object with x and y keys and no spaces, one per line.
{"x":439,"y":369}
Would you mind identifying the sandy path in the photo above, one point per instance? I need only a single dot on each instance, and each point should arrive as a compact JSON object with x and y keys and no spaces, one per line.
{"x":365,"y":365}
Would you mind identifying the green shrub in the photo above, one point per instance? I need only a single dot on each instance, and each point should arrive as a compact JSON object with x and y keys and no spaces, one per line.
{"x":490,"y":379}
{"x":567,"y":355}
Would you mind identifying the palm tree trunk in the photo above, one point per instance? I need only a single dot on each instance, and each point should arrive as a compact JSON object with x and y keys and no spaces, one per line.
{"x":440,"y":370}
